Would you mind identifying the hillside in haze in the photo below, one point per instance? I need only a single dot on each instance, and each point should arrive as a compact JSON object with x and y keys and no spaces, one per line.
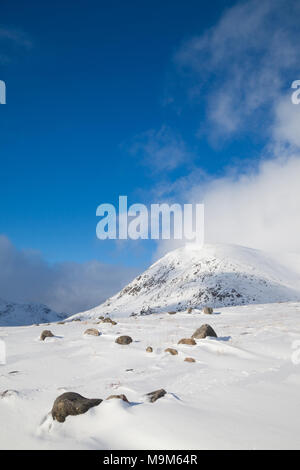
{"x":14,"y":314}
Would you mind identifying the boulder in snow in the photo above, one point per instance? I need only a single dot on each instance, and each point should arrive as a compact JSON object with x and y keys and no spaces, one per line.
{"x":204,"y":331}
{"x":208,"y":310}
{"x":72,"y":404}
{"x":171,"y":351}
{"x":124,"y":340}
{"x":46,"y":334}
{"x":153,"y":396}
{"x":189,"y":341}
{"x":92,"y":332}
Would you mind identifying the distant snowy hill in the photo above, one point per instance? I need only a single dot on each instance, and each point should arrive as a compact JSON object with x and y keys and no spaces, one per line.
{"x":214,"y":275}
{"x":13,"y":314}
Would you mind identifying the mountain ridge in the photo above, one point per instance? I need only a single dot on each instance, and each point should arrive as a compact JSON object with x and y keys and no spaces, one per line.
{"x":193,"y":276}
{"x":23,"y":314}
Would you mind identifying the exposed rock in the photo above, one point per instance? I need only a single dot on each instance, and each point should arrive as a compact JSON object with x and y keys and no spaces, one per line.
{"x":149,"y":349}
{"x":107,"y":320}
{"x":208,"y":310}
{"x":72,"y":404}
{"x":172,"y":313}
{"x":120,"y":397}
{"x":189,"y":341}
{"x":204,"y":331}
{"x":124,"y":340}
{"x":77,"y":319}
{"x":189,"y":310}
{"x":189,"y":359}
{"x":9,"y":393}
{"x":171,"y":351}
{"x":46,"y":334}
{"x":153,"y":396}
{"x":92,"y":332}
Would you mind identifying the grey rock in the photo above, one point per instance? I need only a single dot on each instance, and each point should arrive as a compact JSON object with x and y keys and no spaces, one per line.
{"x":72,"y":404}
{"x":204,"y":331}
{"x":153,"y":396}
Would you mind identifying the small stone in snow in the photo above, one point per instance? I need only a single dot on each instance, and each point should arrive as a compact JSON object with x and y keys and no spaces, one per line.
{"x":46,"y":334}
{"x":153,"y":396}
{"x":92,"y":332}
{"x":189,"y":341}
{"x":172,"y":351}
{"x":124,"y":340}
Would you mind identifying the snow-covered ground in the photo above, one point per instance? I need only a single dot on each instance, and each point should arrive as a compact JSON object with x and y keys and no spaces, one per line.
{"x":242,"y":391}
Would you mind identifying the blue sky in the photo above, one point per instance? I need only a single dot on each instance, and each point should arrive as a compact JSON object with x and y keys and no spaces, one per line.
{"x":134,"y":98}
{"x":91,"y":76}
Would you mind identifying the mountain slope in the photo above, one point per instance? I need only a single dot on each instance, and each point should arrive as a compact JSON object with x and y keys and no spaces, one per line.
{"x":215,"y":275}
{"x":13,"y":314}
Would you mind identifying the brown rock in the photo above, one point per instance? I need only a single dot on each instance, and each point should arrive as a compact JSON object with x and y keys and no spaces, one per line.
{"x":171,"y":351}
{"x":149,"y":349}
{"x":73,"y":404}
{"x":204,"y":331}
{"x":92,"y":332}
{"x":46,"y":334}
{"x":153,"y":396}
{"x":189,"y":359}
{"x":172,"y":313}
{"x":124,"y":340}
{"x":189,"y":341}
{"x":208,"y":310}
{"x":120,"y":397}
{"x":189,"y":310}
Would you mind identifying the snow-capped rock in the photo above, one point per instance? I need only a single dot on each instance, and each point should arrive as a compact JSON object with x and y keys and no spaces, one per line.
{"x":214,"y":275}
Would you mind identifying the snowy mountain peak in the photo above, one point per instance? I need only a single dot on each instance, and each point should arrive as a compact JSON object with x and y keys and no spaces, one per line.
{"x":194,"y":276}
{"x":14,"y":314}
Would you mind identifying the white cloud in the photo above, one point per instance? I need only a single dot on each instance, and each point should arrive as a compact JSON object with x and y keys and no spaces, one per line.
{"x":11,"y":40}
{"x":66,"y":287}
{"x":243,"y":68}
{"x":243,"y":63}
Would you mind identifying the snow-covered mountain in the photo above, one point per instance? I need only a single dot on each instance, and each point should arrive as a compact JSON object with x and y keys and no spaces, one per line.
{"x":214,"y":275}
{"x":14,"y":314}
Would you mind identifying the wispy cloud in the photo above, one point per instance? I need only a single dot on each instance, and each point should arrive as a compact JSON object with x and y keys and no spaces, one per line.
{"x":238,"y":69}
{"x":161,"y":150}
{"x":10,"y":40}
